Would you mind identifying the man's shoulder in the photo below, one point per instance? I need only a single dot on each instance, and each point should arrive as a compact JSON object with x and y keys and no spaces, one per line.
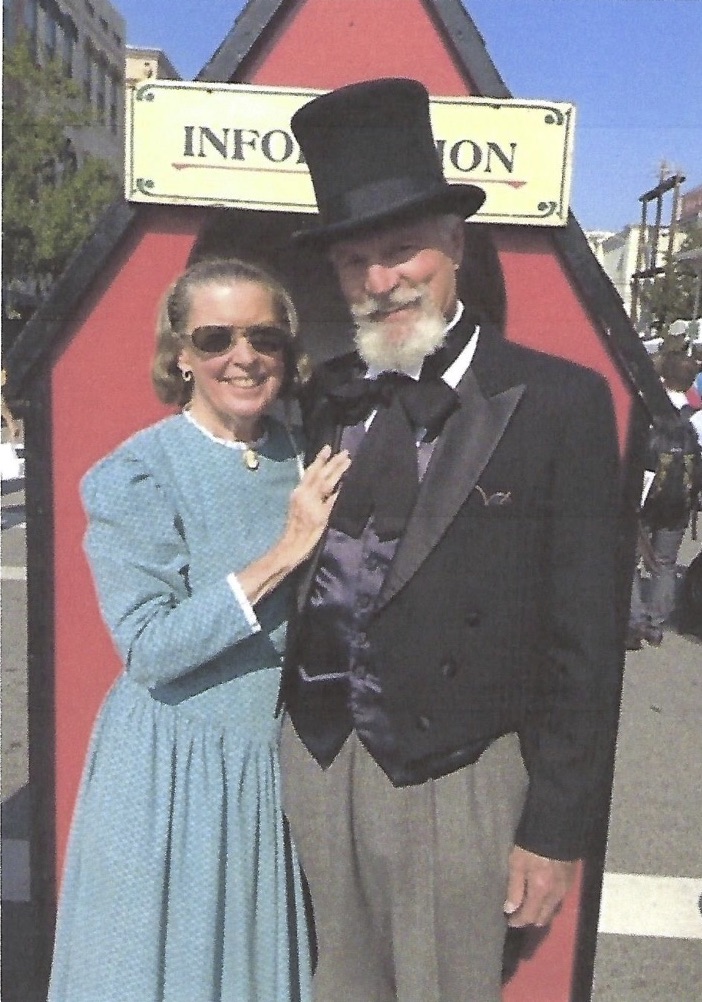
{"x":531,"y":365}
{"x":325,"y":376}
{"x":331,"y":373}
{"x":339,"y":368}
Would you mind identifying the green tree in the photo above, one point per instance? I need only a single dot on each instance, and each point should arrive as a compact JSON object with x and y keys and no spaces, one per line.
{"x":671,"y":296}
{"x":50,"y":203}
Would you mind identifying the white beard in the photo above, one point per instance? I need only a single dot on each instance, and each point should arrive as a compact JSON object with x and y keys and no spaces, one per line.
{"x":426,"y":334}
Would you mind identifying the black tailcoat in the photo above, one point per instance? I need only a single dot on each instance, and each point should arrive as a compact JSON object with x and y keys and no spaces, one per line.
{"x":498,"y":611}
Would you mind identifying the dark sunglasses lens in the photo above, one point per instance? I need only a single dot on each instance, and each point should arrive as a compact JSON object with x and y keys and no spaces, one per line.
{"x":267,"y":340}
{"x":212,"y":339}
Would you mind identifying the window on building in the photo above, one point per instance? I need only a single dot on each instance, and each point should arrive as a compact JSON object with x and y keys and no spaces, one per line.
{"x":8,"y":22}
{"x":31,"y":15}
{"x":115,"y":90}
{"x":90,"y":9}
{"x":104,"y":25}
{"x":88,"y":73}
{"x":117,"y":38}
{"x":100,"y":86}
{"x":51,"y":36}
{"x":70,"y":36}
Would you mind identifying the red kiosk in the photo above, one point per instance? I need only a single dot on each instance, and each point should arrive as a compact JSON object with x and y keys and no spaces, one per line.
{"x":79,"y":372}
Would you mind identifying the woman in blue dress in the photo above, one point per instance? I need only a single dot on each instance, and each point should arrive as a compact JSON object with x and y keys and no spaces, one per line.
{"x":181,"y":884}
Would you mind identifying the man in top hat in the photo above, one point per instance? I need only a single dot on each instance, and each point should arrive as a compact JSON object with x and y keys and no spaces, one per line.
{"x":453,"y":678}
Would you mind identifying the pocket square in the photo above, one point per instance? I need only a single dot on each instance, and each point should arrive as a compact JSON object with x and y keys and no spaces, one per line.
{"x":498,"y":498}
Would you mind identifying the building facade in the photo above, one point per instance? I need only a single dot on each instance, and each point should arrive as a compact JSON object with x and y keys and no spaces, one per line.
{"x":618,"y":253}
{"x":89,"y":37}
{"x":691,"y":209}
{"x":148,"y":64}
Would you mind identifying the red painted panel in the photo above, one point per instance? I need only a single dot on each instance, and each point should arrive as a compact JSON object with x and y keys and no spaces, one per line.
{"x":101,"y":393}
{"x":545,"y":311}
{"x":328,"y":43}
{"x":546,"y":975}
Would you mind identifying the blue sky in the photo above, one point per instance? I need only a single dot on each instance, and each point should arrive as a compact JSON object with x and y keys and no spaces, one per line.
{"x":633,"y":68}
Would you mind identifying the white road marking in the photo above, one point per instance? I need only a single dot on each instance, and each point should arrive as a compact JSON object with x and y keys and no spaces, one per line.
{"x":13,"y":573}
{"x":635,"y":904}
{"x":15,"y":869}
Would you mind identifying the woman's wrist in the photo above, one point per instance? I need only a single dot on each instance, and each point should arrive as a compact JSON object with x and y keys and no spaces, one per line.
{"x":264,"y":574}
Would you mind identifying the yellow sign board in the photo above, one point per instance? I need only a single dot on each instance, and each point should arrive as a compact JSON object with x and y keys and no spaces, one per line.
{"x":231,"y":145}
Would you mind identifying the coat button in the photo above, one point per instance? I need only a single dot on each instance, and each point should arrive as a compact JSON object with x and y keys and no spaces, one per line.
{"x":472,"y":618}
{"x":449,"y":668}
{"x":423,"y":723}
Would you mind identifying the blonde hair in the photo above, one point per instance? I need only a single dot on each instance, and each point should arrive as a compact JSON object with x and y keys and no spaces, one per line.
{"x":166,"y":376}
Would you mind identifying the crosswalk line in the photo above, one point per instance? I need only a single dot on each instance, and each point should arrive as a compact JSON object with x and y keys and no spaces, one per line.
{"x":9,"y":573}
{"x":635,"y":904}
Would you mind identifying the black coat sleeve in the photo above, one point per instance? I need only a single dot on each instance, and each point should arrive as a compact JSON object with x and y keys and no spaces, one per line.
{"x":569,"y":731}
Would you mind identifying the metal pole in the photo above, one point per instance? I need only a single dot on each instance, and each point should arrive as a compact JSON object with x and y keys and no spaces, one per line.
{"x":669,"y":262}
{"x":635,"y":280}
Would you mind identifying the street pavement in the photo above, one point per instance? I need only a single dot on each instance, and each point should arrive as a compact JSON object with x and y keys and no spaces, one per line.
{"x":650,"y":931}
{"x":650,"y":942}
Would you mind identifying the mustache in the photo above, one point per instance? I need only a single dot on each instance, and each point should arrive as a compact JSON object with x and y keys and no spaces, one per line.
{"x":374,"y":307}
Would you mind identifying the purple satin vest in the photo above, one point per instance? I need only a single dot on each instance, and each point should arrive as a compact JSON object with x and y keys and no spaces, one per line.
{"x":336,"y":672}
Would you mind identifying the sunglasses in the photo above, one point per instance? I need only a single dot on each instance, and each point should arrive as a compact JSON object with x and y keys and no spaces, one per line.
{"x":218,"y":339}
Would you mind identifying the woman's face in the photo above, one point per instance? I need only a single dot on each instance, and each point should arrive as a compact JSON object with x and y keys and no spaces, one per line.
{"x":232,"y":391}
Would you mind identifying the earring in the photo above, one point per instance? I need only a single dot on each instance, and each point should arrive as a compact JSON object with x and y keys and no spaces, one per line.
{"x":187,"y":375}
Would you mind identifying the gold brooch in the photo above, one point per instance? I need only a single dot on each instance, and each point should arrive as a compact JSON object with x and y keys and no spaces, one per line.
{"x":250,"y":459}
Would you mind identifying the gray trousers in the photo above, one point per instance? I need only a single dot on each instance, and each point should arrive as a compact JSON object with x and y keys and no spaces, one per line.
{"x":407,"y":883}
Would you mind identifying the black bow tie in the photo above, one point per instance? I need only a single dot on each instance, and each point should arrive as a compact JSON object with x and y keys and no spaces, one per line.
{"x":426,"y":404}
{"x":383,"y":479}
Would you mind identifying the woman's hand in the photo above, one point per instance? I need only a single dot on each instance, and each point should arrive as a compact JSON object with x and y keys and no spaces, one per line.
{"x":312,"y":501}
{"x":309,"y":509}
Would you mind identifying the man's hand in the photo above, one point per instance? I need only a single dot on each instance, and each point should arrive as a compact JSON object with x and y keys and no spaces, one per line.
{"x":536,"y":887}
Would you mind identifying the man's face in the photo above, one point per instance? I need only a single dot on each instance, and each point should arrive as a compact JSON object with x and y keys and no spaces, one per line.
{"x":400,"y":284}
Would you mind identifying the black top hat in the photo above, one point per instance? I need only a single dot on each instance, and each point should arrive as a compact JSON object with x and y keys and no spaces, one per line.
{"x":371,"y":155}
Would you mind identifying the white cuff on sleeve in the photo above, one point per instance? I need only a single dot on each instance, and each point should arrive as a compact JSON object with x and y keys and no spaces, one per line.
{"x":246,"y":607}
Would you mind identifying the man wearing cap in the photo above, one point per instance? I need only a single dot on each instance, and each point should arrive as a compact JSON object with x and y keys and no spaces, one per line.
{"x":452,"y":678}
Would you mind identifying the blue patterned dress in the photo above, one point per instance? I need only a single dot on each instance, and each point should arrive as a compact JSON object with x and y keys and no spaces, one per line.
{"x":181,"y":884}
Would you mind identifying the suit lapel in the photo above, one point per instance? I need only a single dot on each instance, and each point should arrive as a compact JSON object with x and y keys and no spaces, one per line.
{"x":462,"y":451}
{"x":326,"y":432}
{"x":321,"y":429}
{"x":320,"y":425}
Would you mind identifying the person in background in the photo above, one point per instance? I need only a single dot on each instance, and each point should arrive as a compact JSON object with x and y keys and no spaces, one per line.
{"x":453,"y":675}
{"x":662,"y":528}
{"x":694,"y":394}
{"x":696,"y":418}
{"x":694,"y":398}
{"x":181,"y":882}
{"x":696,"y":422}
{"x":696,"y":353}
{"x":13,"y":426}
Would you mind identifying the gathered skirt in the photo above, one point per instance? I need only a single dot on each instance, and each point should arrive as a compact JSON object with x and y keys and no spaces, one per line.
{"x":181,"y":884}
